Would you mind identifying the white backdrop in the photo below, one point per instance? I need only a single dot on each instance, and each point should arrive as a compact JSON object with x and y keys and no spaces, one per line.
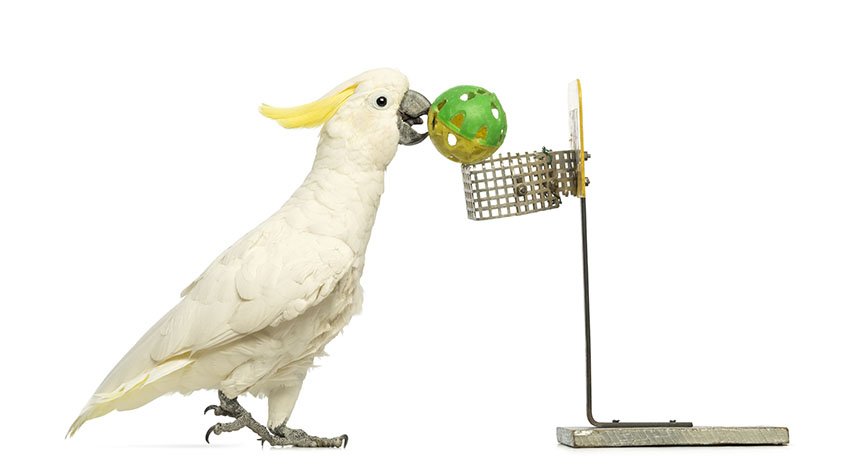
{"x":133,"y":153}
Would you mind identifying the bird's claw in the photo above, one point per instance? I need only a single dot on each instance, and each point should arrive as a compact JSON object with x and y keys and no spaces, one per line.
{"x":219,"y":410}
{"x":215,"y":428}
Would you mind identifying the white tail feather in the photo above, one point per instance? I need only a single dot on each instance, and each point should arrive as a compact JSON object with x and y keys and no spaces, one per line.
{"x":102,"y":403}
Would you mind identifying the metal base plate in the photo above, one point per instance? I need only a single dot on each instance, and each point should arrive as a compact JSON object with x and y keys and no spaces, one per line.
{"x":694,"y":436}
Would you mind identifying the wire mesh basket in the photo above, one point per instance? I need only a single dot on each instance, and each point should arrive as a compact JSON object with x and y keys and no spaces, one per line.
{"x":518,"y":184}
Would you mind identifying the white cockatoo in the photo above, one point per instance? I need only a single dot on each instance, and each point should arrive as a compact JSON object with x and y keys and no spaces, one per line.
{"x":256,"y":319}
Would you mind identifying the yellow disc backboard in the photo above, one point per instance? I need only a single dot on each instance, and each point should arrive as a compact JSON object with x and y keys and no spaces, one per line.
{"x":577,"y":133}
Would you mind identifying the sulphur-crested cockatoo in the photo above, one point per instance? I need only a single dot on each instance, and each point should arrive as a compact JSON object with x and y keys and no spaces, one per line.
{"x":262,"y":312}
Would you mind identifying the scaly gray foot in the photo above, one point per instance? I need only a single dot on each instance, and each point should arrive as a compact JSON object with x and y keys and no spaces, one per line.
{"x":280,"y":436}
{"x":286,"y":436}
{"x":226,"y":407}
{"x":242,"y":419}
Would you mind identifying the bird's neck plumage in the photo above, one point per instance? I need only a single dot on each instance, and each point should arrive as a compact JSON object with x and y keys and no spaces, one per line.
{"x":340,"y":196}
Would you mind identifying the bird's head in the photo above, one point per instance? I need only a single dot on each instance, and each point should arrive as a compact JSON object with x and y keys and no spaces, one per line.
{"x":369,"y":114}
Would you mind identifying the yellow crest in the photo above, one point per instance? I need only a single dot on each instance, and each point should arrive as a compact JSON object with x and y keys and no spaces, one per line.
{"x":313,"y":114}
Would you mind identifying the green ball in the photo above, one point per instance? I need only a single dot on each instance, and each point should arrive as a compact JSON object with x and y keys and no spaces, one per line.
{"x":467,"y":124}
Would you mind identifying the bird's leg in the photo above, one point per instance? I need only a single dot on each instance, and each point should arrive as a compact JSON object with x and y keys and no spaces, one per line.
{"x":242,"y":419}
{"x":226,"y":407}
{"x":280,"y":436}
{"x":281,"y":402}
{"x":300,"y":438}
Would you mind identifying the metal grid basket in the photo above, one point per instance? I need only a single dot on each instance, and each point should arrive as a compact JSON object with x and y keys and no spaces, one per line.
{"x":518,"y":184}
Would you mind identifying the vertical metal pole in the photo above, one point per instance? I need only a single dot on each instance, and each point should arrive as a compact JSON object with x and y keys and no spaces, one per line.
{"x":588,"y":376}
{"x":615,"y":423}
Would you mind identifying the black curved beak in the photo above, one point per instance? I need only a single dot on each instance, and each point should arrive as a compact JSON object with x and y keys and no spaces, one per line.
{"x":413,"y":106}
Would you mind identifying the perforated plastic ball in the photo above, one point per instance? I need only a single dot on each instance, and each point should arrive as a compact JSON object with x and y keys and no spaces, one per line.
{"x":467,"y":124}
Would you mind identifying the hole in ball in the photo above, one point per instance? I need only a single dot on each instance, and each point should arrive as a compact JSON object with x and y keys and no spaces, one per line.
{"x":495,"y":112}
{"x":457,"y":120}
{"x":464,"y":97}
{"x":452,"y":140}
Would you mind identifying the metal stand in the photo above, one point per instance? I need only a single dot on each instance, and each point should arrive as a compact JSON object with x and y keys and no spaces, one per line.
{"x":593,"y":421}
{"x":519,"y":184}
{"x":671,"y":433}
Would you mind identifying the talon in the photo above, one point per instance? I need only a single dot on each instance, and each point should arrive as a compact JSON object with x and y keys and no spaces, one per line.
{"x":344,"y":441}
{"x":212,"y":407}
{"x":207,"y":436}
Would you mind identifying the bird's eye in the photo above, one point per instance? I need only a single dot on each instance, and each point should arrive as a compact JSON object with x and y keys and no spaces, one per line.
{"x":381,"y":99}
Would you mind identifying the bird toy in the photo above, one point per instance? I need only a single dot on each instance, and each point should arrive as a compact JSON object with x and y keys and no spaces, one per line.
{"x":467,"y":124}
